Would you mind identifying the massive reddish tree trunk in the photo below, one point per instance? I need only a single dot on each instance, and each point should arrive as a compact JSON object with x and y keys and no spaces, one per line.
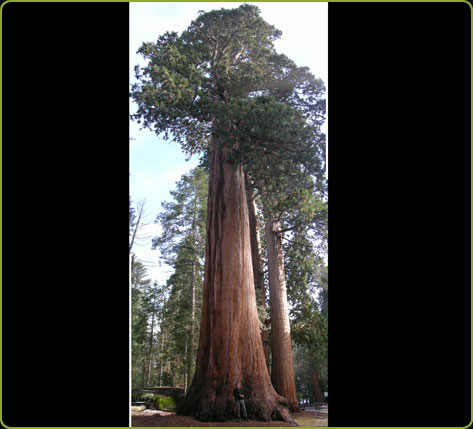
{"x":315,"y":386}
{"x":230,"y":347}
{"x":282,"y":369}
{"x":257,"y":264}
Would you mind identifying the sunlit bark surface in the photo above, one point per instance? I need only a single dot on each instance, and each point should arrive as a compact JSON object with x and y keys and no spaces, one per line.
{"x":282,"y":369}
{"x":230,"y":346}
{"x":257,"y":266}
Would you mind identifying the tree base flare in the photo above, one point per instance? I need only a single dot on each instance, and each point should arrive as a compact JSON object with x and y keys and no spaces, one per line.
{"x":264,"y":411}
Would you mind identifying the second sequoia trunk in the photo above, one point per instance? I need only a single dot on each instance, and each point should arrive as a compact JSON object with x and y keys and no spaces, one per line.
{"x":282,"y":369}
{"x":257,"y":265}
{"x":230,"y":346}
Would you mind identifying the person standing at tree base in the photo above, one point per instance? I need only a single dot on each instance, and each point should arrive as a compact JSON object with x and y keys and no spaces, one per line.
{"x":240,"y":403}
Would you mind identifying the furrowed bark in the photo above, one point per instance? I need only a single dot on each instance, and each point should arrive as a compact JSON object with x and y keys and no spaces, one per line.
{"x":230,"y":346}
{"x":282,"y":369}
{"x":257,"y":264}
{"x":315,"y":386}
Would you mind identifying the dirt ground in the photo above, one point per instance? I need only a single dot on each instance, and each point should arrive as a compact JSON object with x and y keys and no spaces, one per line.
{"x":163,"y":419}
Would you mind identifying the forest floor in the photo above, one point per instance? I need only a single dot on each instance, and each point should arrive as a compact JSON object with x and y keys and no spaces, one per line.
{"x":165,"y":419}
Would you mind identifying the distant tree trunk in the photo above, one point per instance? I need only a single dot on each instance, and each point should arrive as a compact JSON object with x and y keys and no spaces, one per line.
{"x":148,"y":372}
{"x":131,"y":267}
{"x":282,"y":368}
{"x":140,"y":207}
{"x":230,"y":346}
{"x":257,"y":263}
{"x":171,"y":374}
{"x":190,"y":348}
{"x":315,"y":386}
{"x":190,"y":333}
{"x":161,"y":358}
{"x":186,"y":381}
{"x":143,"y":376}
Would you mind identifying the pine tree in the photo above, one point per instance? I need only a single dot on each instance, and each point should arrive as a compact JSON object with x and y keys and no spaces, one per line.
{"x":182,"y":246}
{"x":139,"y":322}
{"x":307,"y":278}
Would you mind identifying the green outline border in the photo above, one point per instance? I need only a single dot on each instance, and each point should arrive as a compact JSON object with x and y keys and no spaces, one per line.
{"x":192,"y":1}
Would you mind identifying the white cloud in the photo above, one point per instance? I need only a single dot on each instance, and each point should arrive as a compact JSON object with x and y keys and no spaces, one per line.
{"x":172,"y":175}
{"x":147,"y":180}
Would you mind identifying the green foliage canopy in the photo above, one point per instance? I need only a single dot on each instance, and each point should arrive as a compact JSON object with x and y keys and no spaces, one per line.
{"x":219,"y":73}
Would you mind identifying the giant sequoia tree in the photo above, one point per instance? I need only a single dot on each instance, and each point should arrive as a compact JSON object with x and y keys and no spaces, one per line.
{"x":200,"y":88}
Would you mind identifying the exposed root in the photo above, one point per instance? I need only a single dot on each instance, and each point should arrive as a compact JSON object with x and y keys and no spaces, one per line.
{"x":257,"y":410}
{"x":283,"y":414}
{"x":282,"y":400}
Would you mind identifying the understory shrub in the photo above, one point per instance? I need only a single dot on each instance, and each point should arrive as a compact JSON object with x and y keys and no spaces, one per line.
{"x":164,"y":403}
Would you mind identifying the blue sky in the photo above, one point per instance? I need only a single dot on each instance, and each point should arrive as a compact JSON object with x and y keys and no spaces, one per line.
{"x":156,"y":165}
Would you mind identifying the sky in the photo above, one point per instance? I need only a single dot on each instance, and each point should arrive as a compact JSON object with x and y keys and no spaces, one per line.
{"x":156,"y":165}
